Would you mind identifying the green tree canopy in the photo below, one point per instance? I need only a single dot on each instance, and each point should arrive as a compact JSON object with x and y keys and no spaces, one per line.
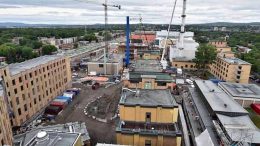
{"x":205,"y":55}
{"x":48,"y":49}
{"x":14,"y":53}
{"x":90,"y":37}
{"x":253,"y":57}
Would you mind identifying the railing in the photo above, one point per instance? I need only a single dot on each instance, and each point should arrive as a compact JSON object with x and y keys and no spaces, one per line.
{"x":148,"y":131}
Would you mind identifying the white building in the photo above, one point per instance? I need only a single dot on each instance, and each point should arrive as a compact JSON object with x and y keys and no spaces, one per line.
{"x":173,"y":37}
{"x":190,"y":45}
{"x":187,"y":54}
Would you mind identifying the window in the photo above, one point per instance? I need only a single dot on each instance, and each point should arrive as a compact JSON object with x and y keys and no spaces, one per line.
{"x":33,"y":91}
{"x":17,"y":100}
{"x":148,"y":142}
{"x":15,"y":91}
{"x":25,"y":107}
{"x":13,"y":81}
{"x":20,"y":79}
{"x":19,"y":111}
{"x":186,"y":66}
{"x":31,"y":82}
{"x":161,"y":83}
{"x":5,"y":72}
{"x":23,"y":96}
{"x":148,"y":117}
{"x":21,"y":88}
{"x":30,"y":74}
{"x":35,"y":101}
{"x":101,"y":65}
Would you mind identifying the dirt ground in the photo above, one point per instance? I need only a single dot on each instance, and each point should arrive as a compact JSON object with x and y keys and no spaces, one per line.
{"x":98,"y":131}
{"x":104,"y":107}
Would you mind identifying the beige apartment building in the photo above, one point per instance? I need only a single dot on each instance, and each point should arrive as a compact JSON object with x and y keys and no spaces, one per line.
{"x":221,"y":46}
{"x":231,"y":69}
{"x":32,"y":84}
{"x":6,"y":136}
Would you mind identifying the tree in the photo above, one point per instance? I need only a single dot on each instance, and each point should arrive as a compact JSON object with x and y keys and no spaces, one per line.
{"x":48,"y":49}
{"x":253,"y":57}
{"x":27,"y":53}
{"x":205,"y":55}
{"x":36,"y":44}
{"x":90,"y":37}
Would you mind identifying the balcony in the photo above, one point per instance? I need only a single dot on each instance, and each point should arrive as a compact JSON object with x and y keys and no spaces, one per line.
{"x":148,"y":128}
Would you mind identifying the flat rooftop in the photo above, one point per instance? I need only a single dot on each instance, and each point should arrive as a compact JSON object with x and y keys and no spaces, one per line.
{"x":234,"y":60}
{"x":62,"y":129}
{"x":53,"y":138}
{"x":112,"y":58}
{"x":241,"y":90}
{"x":147,"y":66}
{"x":17,"y":68}
{"x":240,"y":128}
{"x":218,"y":100}
{"x":147,"y":98}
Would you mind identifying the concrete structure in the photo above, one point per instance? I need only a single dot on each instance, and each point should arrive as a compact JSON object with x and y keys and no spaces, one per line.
{"x":6,"y":136}
{"x":179,"y":57}
{"x":32,"y":84}
{"x":215,"y":118}
{"x":231,"y":69}
{"x":147,"y":74}
{"x":114,"y":65}
{"x":69,"y":134}
{"x":244,"y":94}
{"x":148,"y":117}
{"x":187,"y":54}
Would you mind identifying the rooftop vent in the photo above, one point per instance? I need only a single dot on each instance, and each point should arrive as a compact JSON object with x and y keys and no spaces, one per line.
{"x":42,"y":136}
{"x":137,"y":94}
{"x":212,"y":90}
{"x":225,"y":105}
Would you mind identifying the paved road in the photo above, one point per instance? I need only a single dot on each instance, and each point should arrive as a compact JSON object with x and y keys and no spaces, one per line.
{"x":99,"y":132}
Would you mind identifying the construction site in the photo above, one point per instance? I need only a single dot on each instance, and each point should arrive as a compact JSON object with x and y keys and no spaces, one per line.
{"x":105,"y":105}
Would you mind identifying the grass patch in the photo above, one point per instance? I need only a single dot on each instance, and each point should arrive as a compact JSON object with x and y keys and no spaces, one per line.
{"x":254,"y":117}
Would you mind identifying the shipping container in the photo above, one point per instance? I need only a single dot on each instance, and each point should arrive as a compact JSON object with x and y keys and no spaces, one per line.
{"x":69,"y":94}
{"x":68,"y":99}
{"x":75,"y":90}
{"x":52,"y":110}
{"x":58,"y":104}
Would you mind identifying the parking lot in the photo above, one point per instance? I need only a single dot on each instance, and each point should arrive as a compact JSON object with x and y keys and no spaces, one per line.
{"x":98,"y":131}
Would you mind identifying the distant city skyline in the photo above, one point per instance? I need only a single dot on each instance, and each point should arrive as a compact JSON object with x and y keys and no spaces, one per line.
{"x":155,"y":12}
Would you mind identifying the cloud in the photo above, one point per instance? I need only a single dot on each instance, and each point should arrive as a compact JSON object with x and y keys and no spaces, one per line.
{"x":152,"y":11}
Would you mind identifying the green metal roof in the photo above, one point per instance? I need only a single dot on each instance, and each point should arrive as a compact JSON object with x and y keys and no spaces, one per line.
{"x":159,"y":76}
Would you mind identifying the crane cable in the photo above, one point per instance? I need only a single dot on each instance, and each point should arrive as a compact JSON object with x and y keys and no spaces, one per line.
{"x":168,"y":32}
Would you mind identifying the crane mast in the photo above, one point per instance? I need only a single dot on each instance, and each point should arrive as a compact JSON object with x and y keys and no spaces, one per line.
{"x":182,"y":32}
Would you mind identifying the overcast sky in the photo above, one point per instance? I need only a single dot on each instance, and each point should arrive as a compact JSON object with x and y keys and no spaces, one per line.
{"x":152,"y":11}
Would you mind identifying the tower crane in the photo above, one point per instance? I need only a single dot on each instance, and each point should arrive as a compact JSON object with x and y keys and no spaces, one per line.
{"x":106,"y":5}
{"x":163,"y":61}
{"x":141,"y":27}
